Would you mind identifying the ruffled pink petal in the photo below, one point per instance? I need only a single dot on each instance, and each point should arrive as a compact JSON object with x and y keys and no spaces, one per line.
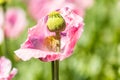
{"x":73,"y":21}
{"x":71,"y":18}
{"x":26,"y":54}
{"x":5,"y":67}
{"x":15,"y":22}
{"x":36,"y":36}
{"x":12,"y":74}
{"x":69,"y":47}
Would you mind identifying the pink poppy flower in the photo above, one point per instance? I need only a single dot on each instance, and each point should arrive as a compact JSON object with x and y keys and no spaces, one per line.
{"x":39,"y":8}
{"x":5,"y":69}
{"x":15,"y":22}
{"x":37,"y":43}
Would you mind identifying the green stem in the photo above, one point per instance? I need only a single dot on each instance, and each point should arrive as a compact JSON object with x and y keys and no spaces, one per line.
{"x":5,"y":39}
{"x":6,"y":42}
{"x":55,"y":70}
{"x":55,"y":64}
{"x":4,"y":6}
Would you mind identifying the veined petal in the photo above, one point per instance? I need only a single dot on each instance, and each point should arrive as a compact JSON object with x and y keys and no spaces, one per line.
{"x":69,"y":46}
{"x":73,"y":21}
{"x":26,"y":54}
{"x":5,"y":69}
{"x":12,"y":73}
{"x":36,"y":36}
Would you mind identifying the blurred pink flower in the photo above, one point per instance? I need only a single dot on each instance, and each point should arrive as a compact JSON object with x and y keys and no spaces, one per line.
{"x":35,"y":45}
{"x":15,"y":22}
{"x":39,"y":8}
{"x":5,"y":69}
{"x":82,"y":4}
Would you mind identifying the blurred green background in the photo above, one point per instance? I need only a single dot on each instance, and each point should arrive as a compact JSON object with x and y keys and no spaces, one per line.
{"x":96,"y":55}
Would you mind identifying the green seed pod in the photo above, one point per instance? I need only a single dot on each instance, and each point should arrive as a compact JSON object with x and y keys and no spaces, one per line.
{"x":55,"y":22}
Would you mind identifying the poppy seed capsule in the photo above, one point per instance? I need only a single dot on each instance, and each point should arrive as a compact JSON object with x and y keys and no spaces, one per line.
{"x":55,"y":22}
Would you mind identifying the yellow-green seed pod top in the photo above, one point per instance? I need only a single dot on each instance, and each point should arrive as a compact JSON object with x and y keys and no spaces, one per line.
{"x":55,"y":22}
{"x":2,"y":2}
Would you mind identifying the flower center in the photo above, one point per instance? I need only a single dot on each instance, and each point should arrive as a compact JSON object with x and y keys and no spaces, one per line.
{"x":51,"y":43}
